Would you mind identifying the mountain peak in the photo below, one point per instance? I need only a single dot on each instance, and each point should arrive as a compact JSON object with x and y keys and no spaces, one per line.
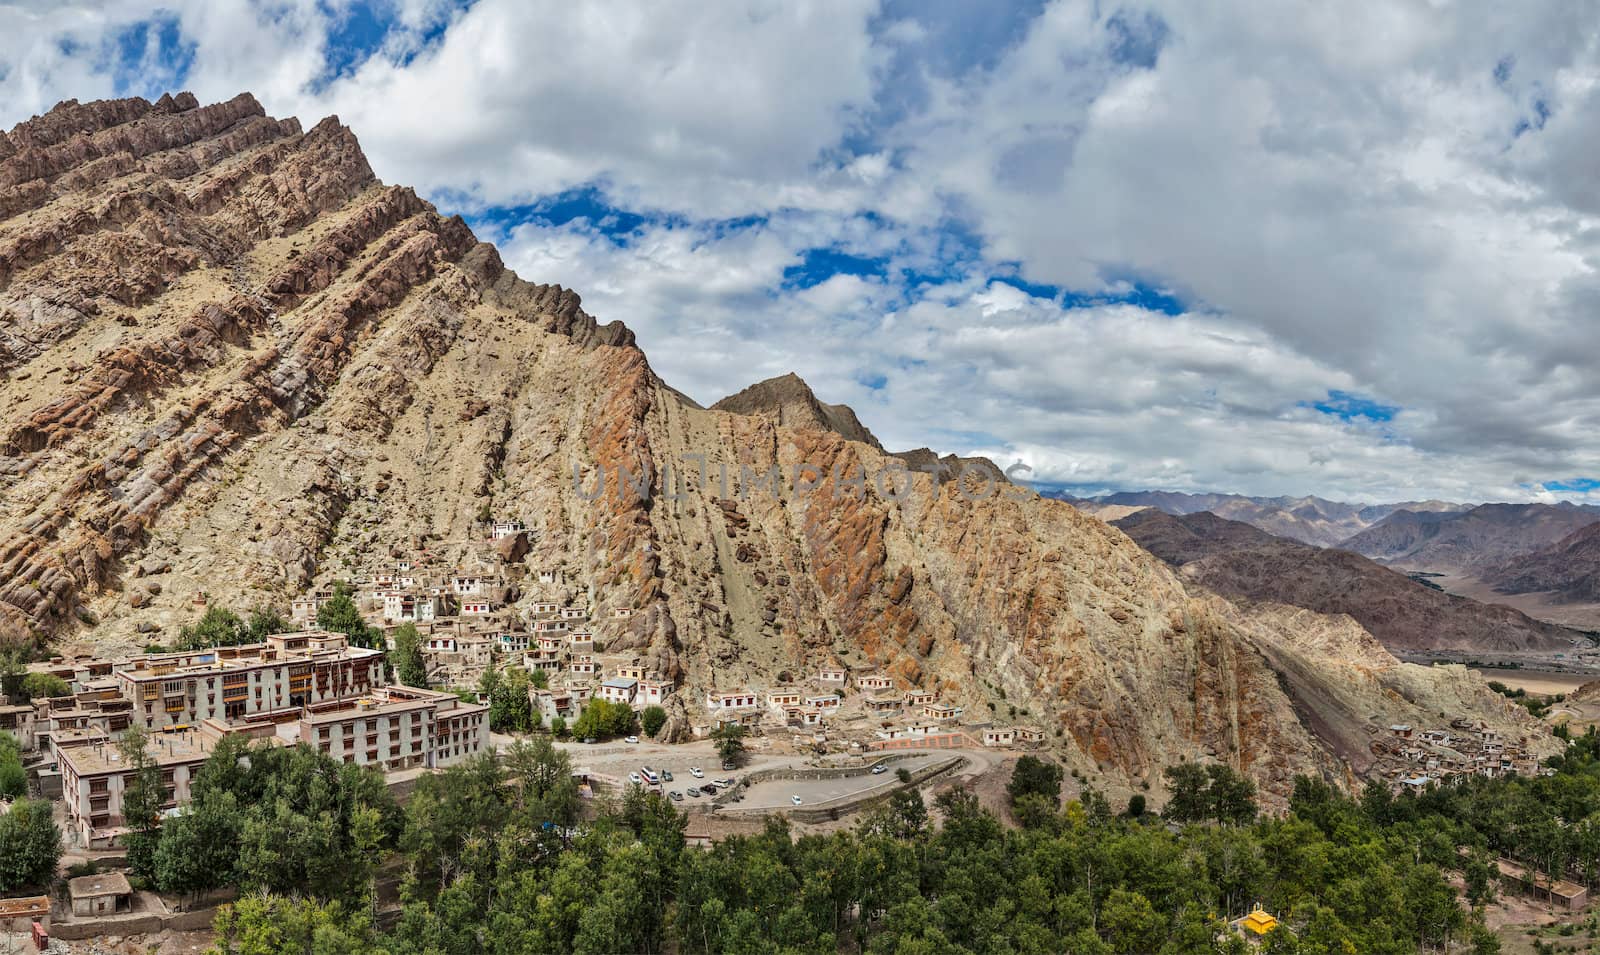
{"x":790,"y":402}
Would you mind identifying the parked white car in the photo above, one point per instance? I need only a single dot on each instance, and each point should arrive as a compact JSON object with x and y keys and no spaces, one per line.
{"x":795,"y":800}
{"x":696,"y":773}
{"x":631,"y":739}
{"x":636,"y":779}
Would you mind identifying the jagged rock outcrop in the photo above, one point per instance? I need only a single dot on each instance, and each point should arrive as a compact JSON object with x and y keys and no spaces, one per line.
{"x":234,"y":365}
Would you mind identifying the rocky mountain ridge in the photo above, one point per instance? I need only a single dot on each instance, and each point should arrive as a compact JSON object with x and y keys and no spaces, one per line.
{"x":788,"y":401}
{"x":1469,"y":541}
{"x":1568,"y":570}
{"x":236,"y":365}
{"x":1241,"y":562}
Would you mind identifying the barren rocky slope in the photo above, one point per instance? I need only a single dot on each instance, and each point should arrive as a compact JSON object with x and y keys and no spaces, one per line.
{"x":1240,"y":561}
{"x":235,"y":364}
{"x":1468,"y":542}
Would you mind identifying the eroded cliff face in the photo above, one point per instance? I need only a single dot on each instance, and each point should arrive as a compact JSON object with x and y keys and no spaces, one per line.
{"x":235,"y":364}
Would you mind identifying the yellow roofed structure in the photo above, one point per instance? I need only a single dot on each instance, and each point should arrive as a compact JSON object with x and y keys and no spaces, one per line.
{"x":1259,"y":921}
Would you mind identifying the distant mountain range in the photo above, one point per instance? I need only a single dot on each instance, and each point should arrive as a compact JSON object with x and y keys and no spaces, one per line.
{"x":1311,"y":520}
{"x":1239,"y":561}
{"x":1568,"y":570}
{"x":1469,"y":541}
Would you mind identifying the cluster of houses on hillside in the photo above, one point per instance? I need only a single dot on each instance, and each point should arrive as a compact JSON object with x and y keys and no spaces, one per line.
{"x":478,"y":611}
{"x":1412,"y":759}
{"x":472,"y":614}
{"x":867,"y":709}
{"x":306,"y":686}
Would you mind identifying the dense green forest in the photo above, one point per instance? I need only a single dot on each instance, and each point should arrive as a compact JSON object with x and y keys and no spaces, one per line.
{"x":501,"y":857}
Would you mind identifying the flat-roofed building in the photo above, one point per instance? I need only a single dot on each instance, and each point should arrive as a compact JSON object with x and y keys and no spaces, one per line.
{"x":874,"y":682}
{"x":553,"y":703}
{"x":398,"y":727}
{"x":654,"y":691}
{"x":731,"y":699}
{"x":882,"y":704}
{"x":94,"y":776}
{"x":103,"y":893}
{"x":287,"y":671}
{"x":303,"y":610}
{"x":619,"y":690}
{"x":403,"y":606}
{"x":472,"y":585}
{"x":999,"y":736}
{"x":782,"y":700}
{"x":20,"y":721}
{"x":512,"y":641}
{"x":508,"y":528}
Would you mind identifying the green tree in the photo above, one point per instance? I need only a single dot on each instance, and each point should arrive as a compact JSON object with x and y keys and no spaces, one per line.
{"x":410,"y":667}
{"x":510,"y":709}
{"x":1136,"y":806}
{"x":540,"y":679}
{"x":730,"y":743}
{"x":1131,"y":923}
{"x":602,"y":719}
{"x":558,"y":727}
{"x":1187,"y":797}
{"x":263,"y":924}
{"x":39,"y":686}
{"x":13,"y":670}
{"x":905,"y":816}
{"x":339,"y":614}
{"x":143,"y":796}
{"x":282,"y":819}
{"x":1232,"y":796}
{"x":217,"y":627}
{"x":13,"y":778}
{"x":199,"y":848}
{"x":264,"y":622}
{"x":1480,"y":875}
{"x":651,"y":719}
{"x":1036,"y":777}
{"x":546,"y":790}
{"x":1034,"y":811}
{"x":30,"y":845}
